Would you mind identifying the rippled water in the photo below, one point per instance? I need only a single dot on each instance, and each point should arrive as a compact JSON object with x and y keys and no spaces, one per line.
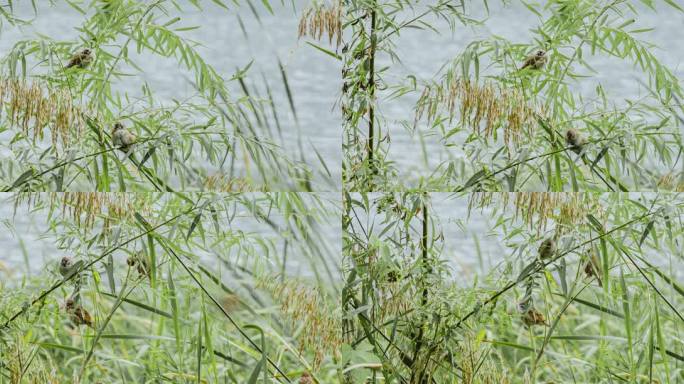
{"x":28,"y":245}
{"x":424,"y":52}
{"x":313,"y":77}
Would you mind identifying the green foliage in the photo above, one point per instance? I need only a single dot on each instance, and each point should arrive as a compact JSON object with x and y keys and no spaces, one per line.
{"x":194,"y":296}
{"x":418,"y":321}
{"x":633,"y":142}
{"x":218,"y":138}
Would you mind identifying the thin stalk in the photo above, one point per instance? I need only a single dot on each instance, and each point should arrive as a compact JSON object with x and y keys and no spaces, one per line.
{"x":371,"y":88}
{"x":424,"y":300}
{"x":166,"y":247}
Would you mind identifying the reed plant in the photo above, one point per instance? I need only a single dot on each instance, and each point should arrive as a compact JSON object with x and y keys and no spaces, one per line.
{"x":587,"y":289}
{"x":225,"y":135}
{"x":503,"y":125}
{"x":201,"y":288}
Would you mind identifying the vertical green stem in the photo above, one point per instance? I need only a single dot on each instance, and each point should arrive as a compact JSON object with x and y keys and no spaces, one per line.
{"x":426,"y":270}
{"x":371,"y":89}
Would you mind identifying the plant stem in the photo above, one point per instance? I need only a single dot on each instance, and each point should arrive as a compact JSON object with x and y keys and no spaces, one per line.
{"x":426,"y":272}
{"x":371,"y":90}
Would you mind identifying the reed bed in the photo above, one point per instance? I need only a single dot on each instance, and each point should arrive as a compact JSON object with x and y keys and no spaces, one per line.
{"x":226,"y":134}
{"x":176,"y":288}
{"x":583,"y":287}
{"x":498,"y":117}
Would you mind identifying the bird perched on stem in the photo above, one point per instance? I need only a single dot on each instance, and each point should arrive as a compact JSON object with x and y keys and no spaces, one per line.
{"x":535,"y":61}
{"x":77,"y":314}
{"x":122,"y":138}
{"x":305,"y":378}
{"x":575,"y":140}
{"x":81,"y":59}
{"x":67,"y":266}
{"x":593,"y":268}
{"x":533,"y":317}
{"x":547,"y":248}
{"x":142,"y":265}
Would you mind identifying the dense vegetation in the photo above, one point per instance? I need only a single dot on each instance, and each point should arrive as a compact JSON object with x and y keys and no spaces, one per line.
{"x":56,"y":115}
{"x":588,"y":290}
{"x":215,"y":257}
{"x":505,"y":125}
{"x":162,"y":288}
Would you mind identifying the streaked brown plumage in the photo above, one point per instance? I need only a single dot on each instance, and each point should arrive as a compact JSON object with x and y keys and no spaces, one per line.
{"x":547,"y":248}
{"x":81,"y":59}
{"x":575,"y":140}
{"x":141,"y":265}
{"x":77,"y":314}
{"x":535,"y":61}
{"x":122,"y":138}
{"x":593,"y":268}
{"x":533,"y":317}
{"x":305,"y":378}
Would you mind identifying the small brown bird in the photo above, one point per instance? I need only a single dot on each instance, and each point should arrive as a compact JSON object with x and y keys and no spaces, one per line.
{"x":593,"y":268}
{"x":122,"y":138}
{"x":535,"y":61}
{"x":305,"y":378}
{"x":77,"y":314}
{"x":68,"y":266}
{"x":81,"y":59}
{"x":142,"y":265}
{"x":547,"y":248}
{"x":230,"y":302}
{"x":575,"y":140}
{"x":533,"y":317}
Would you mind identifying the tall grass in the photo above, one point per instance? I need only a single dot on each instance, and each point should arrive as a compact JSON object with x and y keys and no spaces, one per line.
{"x":531,"y":318}
{"x":178,"y":290}
{"x":220,"y":137}
{"x":501,"y":127}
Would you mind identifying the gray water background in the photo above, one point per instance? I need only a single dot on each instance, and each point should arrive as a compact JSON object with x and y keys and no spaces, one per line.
{"x":28,"y":247}
{"x":472,"y":246}
{"x":313,"y":76}
{"x":424,"y":52}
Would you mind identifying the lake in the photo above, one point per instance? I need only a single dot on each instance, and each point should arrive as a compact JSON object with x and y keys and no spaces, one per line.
{"x":313,"y":76}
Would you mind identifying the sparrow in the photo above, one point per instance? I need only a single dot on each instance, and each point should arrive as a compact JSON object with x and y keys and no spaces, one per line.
{"x":533,"y":317}
{"x":305,"y":378}
{"x":575,"y":140}
{"x":67,"y":266}
{"x":122,"y":138}
{"x":535,"y":61}
{"x":81,"y":59}
{"x":77,"y":314}
{"x":547,"y":248}
{"x":141,"y":264}
{"x":593,"y":268}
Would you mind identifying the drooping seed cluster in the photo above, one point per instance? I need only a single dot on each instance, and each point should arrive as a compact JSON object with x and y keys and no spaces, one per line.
{"x":671,"y":182}
{"x":484,"y":108}
{"x":32,"y":109}
{"x":85,"y":207}
{"x":222,"y":183}
{"x":319,"y":20}
{"x":537,"y":208}
{"x":306,"y":308}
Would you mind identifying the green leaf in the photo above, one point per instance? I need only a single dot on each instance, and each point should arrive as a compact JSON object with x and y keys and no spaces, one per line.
{"x":647,"y":230}
{"x":195,"y":221}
